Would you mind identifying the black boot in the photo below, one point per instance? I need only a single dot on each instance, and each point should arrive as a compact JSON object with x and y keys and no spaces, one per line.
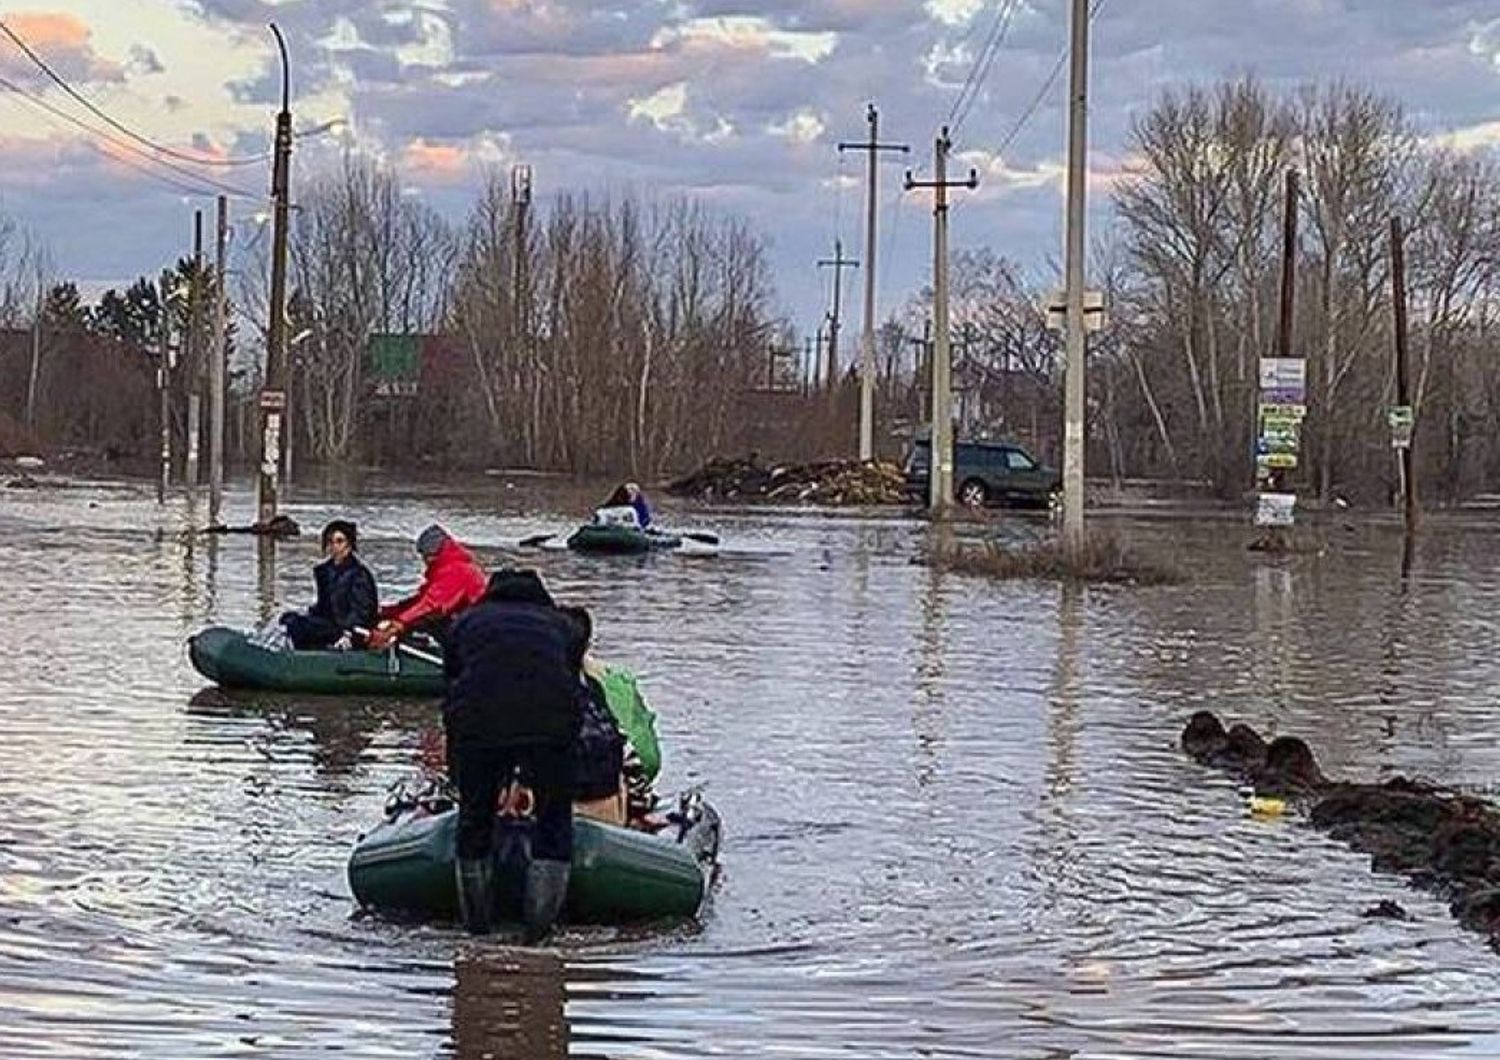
{"x":476,"y":893}
{"x":546,"y":891}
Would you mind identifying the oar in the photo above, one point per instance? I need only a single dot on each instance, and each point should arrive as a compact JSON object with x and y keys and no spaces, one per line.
{"x":702,"y":536}
{"x":415,"y":653}
{"x":534,"y":540}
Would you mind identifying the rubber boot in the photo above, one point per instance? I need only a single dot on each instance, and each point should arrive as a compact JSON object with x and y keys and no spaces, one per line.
{"x":546,"y":890}
{"x":476,"y":893}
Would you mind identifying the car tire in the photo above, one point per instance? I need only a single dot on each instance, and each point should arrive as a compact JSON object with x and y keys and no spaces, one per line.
{"x":973,"y":493}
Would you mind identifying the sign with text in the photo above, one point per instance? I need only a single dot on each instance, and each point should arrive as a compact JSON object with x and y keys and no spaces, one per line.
{"x":1402,"y":419}
{"x":1275,"y":509}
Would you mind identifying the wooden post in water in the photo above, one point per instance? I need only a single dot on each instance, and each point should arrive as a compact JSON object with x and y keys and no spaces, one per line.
{"x":1403,"y":393}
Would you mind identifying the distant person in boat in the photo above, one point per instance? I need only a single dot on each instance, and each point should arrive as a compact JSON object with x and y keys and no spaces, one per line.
{"x":511,"y":715}
{"x":629,"y":495}
{"x":453,"y":581}
{"x":610,"y":780}
{"x":346,"y":595}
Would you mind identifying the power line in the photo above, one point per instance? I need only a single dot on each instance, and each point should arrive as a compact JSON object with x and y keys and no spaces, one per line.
{"x":969,"y":93}
{"x":160,"y":148}
{"x":202,"y":182}
{"x":1036,"y":101}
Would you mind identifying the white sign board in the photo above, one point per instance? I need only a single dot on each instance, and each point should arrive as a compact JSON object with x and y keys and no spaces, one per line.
{"x":1283,"y":373}
{"x":1275,"y":509}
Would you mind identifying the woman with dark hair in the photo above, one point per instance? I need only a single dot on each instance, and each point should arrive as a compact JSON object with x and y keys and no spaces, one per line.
{"x":347,"y":596}
{"x":629,"y":495}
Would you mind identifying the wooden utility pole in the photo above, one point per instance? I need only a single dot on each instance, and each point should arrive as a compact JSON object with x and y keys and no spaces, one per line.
{"x":1406,"y":419}
{"x":872,"y":147}
{"x":273,"y":394}
{"x":838,"y":263}
{"x":217,"y":353}
{"x":1073,"y":252}
{"x":163,"y":388}
{"x":195,"y":355}
{"x":940,"y":477}
{"x":1288,"y":267}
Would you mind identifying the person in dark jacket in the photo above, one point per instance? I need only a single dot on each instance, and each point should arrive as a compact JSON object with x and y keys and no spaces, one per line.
{"x":511,"y":714}
{"x":346,"y":600}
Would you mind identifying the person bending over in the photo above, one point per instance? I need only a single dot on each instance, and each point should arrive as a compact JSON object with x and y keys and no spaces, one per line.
{"x":452,"y":581}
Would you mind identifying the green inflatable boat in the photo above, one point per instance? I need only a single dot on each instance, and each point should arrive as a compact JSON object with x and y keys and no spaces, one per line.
{"x":404,"y":867}
{"x":620,"y":540}
{"x":229,"y":659}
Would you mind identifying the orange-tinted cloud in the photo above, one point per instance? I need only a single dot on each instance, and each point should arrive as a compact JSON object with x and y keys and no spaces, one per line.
{"x":62,"y":40}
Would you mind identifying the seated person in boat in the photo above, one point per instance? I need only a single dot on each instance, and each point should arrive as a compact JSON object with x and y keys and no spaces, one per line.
{"x":610,"y":783}
{"x":452,"y":582}
{"x":510,"y":718}
{"x":629,"y":496}
{"x":346,"y":595}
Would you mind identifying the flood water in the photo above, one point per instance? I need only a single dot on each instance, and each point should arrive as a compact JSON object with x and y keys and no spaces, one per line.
{"x":957,"y":824}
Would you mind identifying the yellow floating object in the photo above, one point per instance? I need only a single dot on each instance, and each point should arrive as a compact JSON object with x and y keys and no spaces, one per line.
{"x":1266,"y":806}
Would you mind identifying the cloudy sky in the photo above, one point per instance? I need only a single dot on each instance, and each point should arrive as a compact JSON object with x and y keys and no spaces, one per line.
{"x":741,"y":104}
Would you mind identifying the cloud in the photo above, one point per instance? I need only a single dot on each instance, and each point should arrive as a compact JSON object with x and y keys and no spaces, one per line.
{"x":62,"y":41}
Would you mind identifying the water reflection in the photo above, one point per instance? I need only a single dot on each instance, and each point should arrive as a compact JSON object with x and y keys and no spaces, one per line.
{"x":508,"y":1005}
{"x":956,"y":821}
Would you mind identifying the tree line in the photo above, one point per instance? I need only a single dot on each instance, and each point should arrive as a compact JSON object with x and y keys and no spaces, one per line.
{"x":604,"y":333}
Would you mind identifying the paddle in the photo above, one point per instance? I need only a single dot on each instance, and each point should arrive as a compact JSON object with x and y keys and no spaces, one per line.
{"x":701,"y":536}
{"x":415,"y":653}
{"x":534,"y":540}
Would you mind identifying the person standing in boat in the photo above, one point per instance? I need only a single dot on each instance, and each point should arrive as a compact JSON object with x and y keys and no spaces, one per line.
{"x":452,"y":582}
{"x":347,"y":596}
{"x":510,"y":718}
{"x":629,"y":495}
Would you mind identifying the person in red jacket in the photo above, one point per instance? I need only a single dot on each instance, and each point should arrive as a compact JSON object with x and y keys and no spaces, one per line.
{"x":452,"y":582}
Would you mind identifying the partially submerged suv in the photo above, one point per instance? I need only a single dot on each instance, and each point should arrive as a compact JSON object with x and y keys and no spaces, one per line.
{"x":985,"y":473}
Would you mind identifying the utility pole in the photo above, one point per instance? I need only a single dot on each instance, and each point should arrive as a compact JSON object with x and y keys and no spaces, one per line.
{"x":36,"y":353}
{"x":273,"y":396}
{"x":1404,"y":421}
{"x":940,"y":477}
{"x":163,"y":388}
{"x":216,"y":369}
{"x":520,"y":199}
{"x":872,"y":147}
{"x":838,"y":263}
{"x":1073,"y":384}
{"x":195,"y":355}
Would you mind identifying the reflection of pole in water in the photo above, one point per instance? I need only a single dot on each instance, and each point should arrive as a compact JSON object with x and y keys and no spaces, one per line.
{"x":927,"y":704}
{"x":211,"y":577}
{"x":1273,"y":615}
{"x":265,"y":576}
{"x":508,"y":1005}
{"x":1062,"y":703}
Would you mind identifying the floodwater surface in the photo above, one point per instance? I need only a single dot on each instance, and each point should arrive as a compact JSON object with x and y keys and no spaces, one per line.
{"x":957,"y":824}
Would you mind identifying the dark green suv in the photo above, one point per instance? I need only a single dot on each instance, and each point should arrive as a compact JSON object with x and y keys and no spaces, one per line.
{"x":985,"y":473}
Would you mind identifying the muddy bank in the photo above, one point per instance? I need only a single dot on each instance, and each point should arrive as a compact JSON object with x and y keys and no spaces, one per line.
{"x":835,"y":482}
{"x":1440,"y":840}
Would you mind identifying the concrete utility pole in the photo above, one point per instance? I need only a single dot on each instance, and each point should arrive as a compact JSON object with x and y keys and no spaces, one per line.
{"x":216,"y":369}
{"x":163,"y":387}
{"x":838,"y":263}
{"x":195,"y":355}
{"x":36,"y":354}
{"x":872,"y":147}
{"x":940,"y":476}
{"x":520,"y":200}
{"x":273,"y":396}
{"x":1073,"y":385}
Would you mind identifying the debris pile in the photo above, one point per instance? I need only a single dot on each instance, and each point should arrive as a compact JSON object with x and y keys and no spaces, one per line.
{"x":833,"y":482}
{"x":1440,"y":840}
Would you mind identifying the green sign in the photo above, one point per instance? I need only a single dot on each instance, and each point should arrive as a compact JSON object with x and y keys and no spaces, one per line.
{"x":1402,"y":419}
{"x":394,"y":364}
